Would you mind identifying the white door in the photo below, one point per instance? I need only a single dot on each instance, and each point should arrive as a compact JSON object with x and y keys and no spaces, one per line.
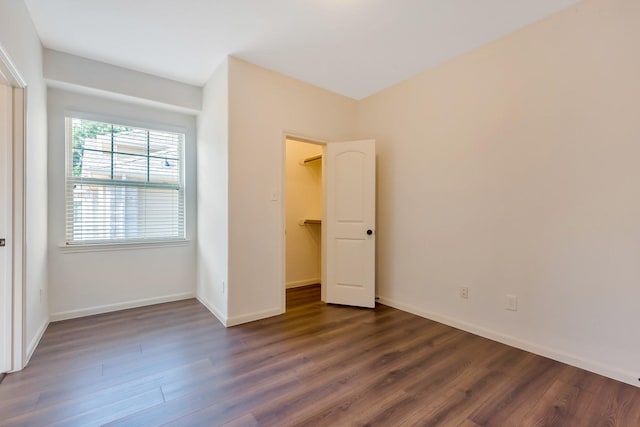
{"x":6,"y":161}
{"x":350,"y":218}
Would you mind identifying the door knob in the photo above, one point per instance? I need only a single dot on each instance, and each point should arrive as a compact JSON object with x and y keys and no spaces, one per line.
{"x":369,"y":232}
{"x":2,"y":242}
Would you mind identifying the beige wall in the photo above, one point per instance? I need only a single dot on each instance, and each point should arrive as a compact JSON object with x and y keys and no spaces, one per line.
{"x":263,"y":105}
{"x":514,"y":170}
{"x":85,"y":281}
{"x":213,"y":194}
{"x":18,"y":38}
{"x":303,"y":201}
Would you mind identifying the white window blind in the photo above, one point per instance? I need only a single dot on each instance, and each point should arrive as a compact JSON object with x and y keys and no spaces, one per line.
{"x":123,"y":183}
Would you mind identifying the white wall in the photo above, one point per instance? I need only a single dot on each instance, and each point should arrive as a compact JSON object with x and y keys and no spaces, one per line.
{"x":303,"y":201}
{"x":514,"y":170}
{"x":87,"y":282}
{"x":20,"y":41}
{"x":70,"y":72}
{"x":263,"y":105}
{"x":213,"y":194}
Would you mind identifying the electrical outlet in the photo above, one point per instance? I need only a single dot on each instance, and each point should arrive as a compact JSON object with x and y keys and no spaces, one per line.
{"x":464,"y":292}
{"x":512,"y":303}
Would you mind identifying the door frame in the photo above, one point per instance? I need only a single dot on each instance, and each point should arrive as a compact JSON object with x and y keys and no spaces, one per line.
{"x":283,"y":213}
{"x":16,"y":237}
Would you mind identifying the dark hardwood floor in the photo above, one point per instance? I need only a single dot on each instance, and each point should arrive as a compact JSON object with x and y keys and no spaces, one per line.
{"x":318,"y":365}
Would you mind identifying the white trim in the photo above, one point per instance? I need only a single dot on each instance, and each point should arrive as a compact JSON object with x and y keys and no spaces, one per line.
{"x":560,"y":356}
{"x":121,"y":246}
{"x":9,"y":70}
{"x":217,"y":313}
{"x":90,"y":311}
{"x":300,"y":283}
{"x":304,"y":138}
{"x":19,"y":232}
{"x":35,"y":341}
{"x":251,"y":317}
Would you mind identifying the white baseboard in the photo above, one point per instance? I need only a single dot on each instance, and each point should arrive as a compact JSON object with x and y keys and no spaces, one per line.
{"x":72,"y":314}
{"x":569,"y":359}
{"x":217,"y":313}
{"x":246,"y":318}
{"x":300,"y":283}
{"x":35,"y":341}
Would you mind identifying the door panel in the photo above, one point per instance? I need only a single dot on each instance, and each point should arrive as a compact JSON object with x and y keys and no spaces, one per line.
{"x":350,"y":169}
{"x":350,"y":223}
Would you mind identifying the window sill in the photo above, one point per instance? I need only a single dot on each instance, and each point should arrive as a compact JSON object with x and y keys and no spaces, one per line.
{"x":122,"y":246}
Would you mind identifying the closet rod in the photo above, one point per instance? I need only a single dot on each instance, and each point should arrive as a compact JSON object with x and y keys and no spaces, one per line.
{"x":312,"y":158}
{"x":309,"y":221}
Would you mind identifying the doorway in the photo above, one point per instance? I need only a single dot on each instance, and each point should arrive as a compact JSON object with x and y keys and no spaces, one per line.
{"x":303,"y":214}
{"x":343,"y":212}
{"x":6,"y":267}
{"x":12,"y":132}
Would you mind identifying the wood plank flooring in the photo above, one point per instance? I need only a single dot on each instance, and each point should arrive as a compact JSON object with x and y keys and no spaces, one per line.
{"x":317,"y":365}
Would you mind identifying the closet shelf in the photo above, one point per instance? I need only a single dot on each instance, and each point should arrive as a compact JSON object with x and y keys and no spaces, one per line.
{"x":309,"y":221}
{"x":311,"y":159}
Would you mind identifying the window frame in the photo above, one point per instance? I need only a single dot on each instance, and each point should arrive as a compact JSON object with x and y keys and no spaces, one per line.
{"x":116,"y":244}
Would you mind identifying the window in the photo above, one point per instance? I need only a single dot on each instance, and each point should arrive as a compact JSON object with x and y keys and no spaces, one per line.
{"x":123,"y":183}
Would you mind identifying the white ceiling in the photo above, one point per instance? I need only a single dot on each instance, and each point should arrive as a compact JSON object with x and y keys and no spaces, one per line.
{"x":352,"y":47}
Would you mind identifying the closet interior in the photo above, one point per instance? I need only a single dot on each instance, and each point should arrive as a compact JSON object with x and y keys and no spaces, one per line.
{"x":304,"y":200}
